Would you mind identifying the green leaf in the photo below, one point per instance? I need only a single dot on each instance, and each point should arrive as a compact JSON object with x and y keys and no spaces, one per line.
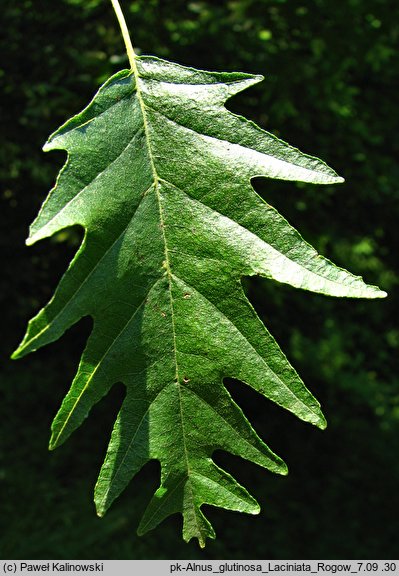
{"x":159,"y":176}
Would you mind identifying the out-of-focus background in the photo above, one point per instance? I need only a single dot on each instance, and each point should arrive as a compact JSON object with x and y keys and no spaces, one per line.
{"x":331,"y":89}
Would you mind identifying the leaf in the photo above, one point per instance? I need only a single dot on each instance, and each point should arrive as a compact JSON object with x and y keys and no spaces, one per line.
{"x":159,"y":176}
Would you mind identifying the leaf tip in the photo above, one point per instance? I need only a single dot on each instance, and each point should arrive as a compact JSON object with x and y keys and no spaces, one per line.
{"x":100,"y":512}
{"x":283,"y":470}
{"x":322,"y":424}
{"x":100,"y":502}
{"x":54,"y":441}
{"x":255,"y":510}
{"x":16,"y":354}
{"x":202,"y":539}
{"x":48,"y":146}
{"x":32,"y":238}
{"x":373,"y":292}
{"x":279,"y":467}
{"x":21,"y":351}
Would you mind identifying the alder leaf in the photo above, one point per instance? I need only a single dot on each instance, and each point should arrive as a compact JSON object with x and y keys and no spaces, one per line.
{"x":159,"y":176}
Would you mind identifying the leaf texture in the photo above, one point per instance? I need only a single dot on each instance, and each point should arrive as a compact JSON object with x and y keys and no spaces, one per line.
{"x":159,"y":176}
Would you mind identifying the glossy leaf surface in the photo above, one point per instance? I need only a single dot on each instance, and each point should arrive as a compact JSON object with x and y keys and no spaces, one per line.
{"x":158,"y":175}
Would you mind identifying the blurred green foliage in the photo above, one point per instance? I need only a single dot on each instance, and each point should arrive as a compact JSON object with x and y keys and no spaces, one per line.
{"x":331,"y":80}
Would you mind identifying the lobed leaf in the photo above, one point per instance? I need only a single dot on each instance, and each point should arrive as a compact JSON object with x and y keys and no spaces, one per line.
{"x":159,"y":176}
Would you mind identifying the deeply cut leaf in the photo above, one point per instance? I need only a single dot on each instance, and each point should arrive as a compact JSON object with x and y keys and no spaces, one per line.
{"x":158,"y":174}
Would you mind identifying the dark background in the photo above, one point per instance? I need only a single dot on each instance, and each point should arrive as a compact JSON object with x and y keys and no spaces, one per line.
{"x":331,"y":89}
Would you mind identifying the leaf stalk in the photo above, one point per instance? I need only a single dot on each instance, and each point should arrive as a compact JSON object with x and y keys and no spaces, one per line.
{"x":125,"y":33}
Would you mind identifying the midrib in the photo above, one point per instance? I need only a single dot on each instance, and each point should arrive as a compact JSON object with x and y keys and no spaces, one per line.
{"x":166,"y":265}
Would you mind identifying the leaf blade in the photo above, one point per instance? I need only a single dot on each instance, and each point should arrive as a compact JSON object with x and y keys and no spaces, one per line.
{"x":159,"y":176}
